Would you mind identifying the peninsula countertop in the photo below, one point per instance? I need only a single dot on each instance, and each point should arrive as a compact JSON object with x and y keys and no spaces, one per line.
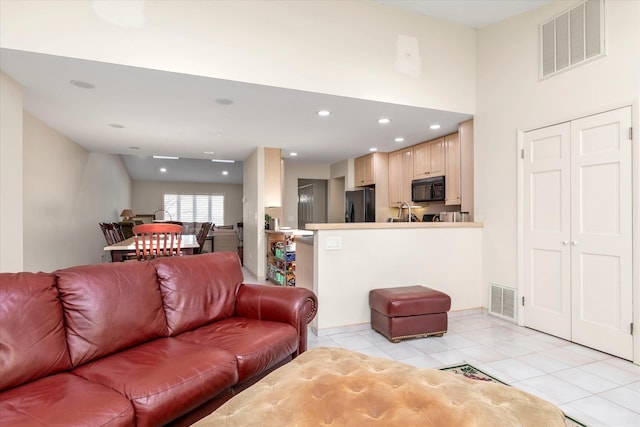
{"x":391,"y":225}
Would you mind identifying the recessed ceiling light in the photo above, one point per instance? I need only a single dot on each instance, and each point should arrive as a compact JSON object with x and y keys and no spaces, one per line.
{"x":384,"y":120}
{"x":135,"y":148}
{"x":81,"y":84}
{"x":324,"y":113}
{"x":373,"y":149}
{"x":208,"y":152}
{"x":225,"y":172}
{"x":163,"y":170}
{"x":293,"y":154}
{"x":434,"y":127}
{"x":116,"y":125}
{"x":166,"y":157}
{"x":224,"y":101}
{"x":399,"y":139}
{"x":222,"y":161}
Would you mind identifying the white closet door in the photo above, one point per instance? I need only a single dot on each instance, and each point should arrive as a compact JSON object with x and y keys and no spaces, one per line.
{"x":547,"y":270}
{"x":601,"y":239}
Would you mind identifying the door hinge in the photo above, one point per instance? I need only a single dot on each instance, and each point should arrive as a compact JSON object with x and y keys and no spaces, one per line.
{"x":631,"y":134}
{"x":631,"y":328}
{"x":522,"y":153}
{"x":523,"y":301}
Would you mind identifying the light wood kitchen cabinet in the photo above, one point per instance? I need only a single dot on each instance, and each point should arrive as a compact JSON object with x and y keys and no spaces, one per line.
{"x":400,"y":176}
{"x":429,"y":159}
{"x":364,"y":168}
{"x":452,"y":175}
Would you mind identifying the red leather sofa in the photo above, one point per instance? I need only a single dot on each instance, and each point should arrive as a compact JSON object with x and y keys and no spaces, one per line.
{"x":153,"y":343}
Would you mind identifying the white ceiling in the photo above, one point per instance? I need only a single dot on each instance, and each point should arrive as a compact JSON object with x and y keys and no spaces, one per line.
{"x":175,"y":114}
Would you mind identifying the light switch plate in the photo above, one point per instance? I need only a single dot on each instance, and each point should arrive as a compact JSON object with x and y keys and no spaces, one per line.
{"x":333,"y":243}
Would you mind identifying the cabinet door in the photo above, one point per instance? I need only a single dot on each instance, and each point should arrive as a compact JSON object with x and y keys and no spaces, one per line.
{"x":364,"y":171}
{"x":421,"y":160}
{"x":407,"y":174}
{"x":395,"y":179}
{"x":436,"y":157}
{"x":452,"y":182}
{"x":428,"y":159}
{"x":400,"y":176}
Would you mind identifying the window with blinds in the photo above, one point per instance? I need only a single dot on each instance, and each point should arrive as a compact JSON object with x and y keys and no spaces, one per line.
{"x":195,"y":207}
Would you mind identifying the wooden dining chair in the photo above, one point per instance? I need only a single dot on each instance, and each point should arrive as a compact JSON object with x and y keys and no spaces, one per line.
{"x":201,"y":237}
{"x":157,"y":240}
{"x":113,"y":234}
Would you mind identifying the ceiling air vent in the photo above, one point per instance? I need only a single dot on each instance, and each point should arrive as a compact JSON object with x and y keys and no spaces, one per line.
{"x":572,"y":38}
{"x":502,"y":301}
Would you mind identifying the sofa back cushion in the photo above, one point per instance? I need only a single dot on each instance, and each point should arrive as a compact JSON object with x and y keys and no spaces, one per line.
{"x":32,"y":338}
{"x":198,"y":289}
{"x":109,"y":307}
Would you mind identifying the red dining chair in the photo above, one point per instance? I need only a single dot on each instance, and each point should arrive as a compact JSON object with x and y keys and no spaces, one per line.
{"x":157,"y":240}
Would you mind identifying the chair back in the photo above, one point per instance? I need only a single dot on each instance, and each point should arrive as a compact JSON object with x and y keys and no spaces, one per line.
{"x":157,"y":240}
{"x":112,"y":232}
{"x":202,"y":235}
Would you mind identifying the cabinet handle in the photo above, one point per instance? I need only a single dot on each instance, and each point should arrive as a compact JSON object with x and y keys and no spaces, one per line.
{"x":574,"y":242}
{"x":565,"y":242}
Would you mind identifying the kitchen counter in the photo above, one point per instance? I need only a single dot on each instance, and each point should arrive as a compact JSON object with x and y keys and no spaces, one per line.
{"x":347,"y":260}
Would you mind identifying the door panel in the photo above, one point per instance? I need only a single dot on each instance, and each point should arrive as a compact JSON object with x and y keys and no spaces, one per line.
{"x":547,"y":259}
{"x":601,"y":232}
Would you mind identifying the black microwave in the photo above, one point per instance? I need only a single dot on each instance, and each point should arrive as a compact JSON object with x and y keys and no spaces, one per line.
{"x":427,"y":189}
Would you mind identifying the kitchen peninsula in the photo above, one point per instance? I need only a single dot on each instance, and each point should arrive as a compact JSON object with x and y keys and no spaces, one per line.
{"x":344,"y":261}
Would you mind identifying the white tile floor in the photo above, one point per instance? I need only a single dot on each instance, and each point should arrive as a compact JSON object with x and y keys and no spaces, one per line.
{"x":593,"y":387}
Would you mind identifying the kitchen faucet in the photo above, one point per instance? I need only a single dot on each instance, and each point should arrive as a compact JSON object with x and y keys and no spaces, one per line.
{"x":400,"y":211}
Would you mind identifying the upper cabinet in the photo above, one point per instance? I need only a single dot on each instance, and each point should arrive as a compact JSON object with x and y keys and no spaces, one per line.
{"x":370,"y":169}
{"x":452,"y":176}
{"x":400,"y":176}
{"x":429,"y":159}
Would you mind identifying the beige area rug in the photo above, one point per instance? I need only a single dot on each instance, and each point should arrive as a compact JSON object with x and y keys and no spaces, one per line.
{"x":339,"y":387}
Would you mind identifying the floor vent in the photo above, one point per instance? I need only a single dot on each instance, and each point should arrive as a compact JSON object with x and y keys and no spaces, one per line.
{"x":573,"y":37}
{"x":502,"y":302}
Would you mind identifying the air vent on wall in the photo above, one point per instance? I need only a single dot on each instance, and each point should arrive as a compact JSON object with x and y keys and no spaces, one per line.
{"x":574,"y":37}
{"x":502,"y":301}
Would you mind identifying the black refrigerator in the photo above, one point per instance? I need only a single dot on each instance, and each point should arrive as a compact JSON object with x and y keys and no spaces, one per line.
{"x":360,"y":205}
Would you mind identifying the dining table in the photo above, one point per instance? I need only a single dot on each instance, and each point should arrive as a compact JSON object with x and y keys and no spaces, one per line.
{"x":120,"y":250}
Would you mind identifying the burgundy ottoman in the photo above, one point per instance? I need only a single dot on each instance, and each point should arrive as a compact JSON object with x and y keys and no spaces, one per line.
{"x":409,"y":312}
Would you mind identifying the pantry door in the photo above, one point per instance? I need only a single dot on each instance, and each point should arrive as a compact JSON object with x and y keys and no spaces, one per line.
{"x":601,"y":234}
{"x":547,"y":230}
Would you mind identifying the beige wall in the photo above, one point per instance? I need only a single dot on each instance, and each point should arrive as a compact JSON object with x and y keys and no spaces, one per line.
{"x":148,"y":196}
{"x":348,"y":47}
{"x":11,"y":242}
{"x":510,"y":97}
{"x":67,"y":192}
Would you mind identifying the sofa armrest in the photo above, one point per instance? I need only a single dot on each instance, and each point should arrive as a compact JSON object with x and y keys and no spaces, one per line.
{"x":295,"y":306}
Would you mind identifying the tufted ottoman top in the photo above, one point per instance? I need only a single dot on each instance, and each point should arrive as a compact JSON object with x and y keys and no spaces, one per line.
{"x":338,"y":387}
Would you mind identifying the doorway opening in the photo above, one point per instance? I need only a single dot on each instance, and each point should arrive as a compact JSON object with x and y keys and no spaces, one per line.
{"x":312,"y":201}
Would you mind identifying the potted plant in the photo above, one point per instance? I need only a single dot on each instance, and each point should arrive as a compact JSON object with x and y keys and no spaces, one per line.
{"x":267,"y":220}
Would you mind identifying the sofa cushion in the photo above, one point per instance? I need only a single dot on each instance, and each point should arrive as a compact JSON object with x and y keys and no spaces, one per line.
{"x":164,"y":378}
{"x":110,"y":307}
{"x":32,"y":339}
{"x":64,"y":400}
{"x":198,"y":289}
{"x":257,"y":344}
